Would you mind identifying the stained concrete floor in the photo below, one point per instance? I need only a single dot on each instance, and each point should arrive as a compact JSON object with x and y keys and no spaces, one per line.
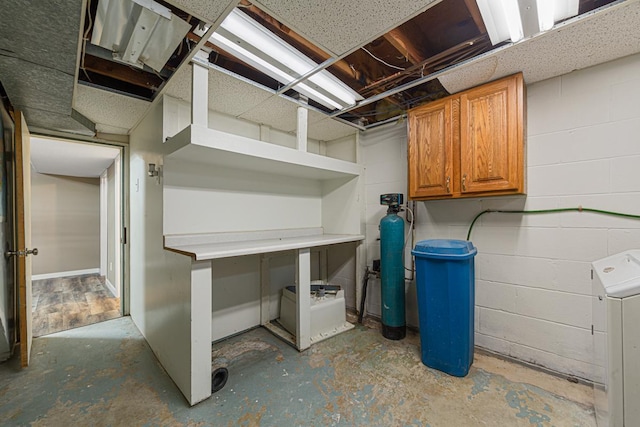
{"x":106,"y":375}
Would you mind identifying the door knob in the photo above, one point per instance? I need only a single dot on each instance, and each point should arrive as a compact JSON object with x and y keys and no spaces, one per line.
{"x":26,"y":252}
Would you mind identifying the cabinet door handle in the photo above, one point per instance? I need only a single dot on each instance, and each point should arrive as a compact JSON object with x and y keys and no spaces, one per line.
{"x":448,"y":184}
{"x":464,"y":182}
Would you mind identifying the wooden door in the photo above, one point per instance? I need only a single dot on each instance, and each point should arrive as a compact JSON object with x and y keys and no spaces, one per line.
{"x":21,"y":253}
{"x":492,"y":137}
{"x":431,"y":133}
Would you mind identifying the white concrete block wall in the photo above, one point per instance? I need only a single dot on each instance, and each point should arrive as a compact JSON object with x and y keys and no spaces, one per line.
{"x":533,"y":284}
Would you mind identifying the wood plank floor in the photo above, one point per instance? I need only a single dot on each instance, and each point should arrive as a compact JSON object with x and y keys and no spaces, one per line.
{"x":70,"y":302}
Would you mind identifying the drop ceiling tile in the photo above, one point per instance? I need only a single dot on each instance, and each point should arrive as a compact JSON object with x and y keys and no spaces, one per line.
{"x":329,"y":129}
{"x":47,"y":89}
{"x":227,"y":94}
{"x":340,"y":26}
{"x":109,"y":110}
{"x":207,"y":10}
{"x":603,"y":36}
{"x":44,"y":33}
{"x":276,"y":112}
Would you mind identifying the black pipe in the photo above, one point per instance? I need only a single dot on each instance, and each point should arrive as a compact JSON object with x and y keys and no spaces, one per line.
{"x":365,"y":281}
{"x":219,"y":378}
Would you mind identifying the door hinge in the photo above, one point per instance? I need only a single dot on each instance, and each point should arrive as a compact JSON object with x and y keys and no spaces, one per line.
{"x":591,"y":329}
{"x":124,"y":235}
{"x":592,"y":274}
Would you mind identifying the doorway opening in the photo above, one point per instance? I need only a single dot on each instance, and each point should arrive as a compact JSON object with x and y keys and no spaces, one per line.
{"x":77,"y":223}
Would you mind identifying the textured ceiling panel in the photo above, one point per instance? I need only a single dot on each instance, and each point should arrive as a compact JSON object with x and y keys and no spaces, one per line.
{"x":227,"y":94}
{"x":32,"y":86}
{"x":604,"y":36}
{"x":329,"y":129}
{"x":39,"y":46}
{"x":276,"y":112}
{"x":107,"y":108}
{"x":341,"y":26}
{"x":39,"y":32}
{"x":206,"y":10}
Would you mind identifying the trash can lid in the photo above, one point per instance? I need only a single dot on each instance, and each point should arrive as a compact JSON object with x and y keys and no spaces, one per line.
{"x":445,"y":248}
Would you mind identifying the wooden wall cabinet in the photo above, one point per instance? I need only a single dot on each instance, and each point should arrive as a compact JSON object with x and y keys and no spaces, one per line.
{"x":469,"y":144}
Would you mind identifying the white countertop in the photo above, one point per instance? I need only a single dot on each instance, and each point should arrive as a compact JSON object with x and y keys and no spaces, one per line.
{"x":200,"y":250}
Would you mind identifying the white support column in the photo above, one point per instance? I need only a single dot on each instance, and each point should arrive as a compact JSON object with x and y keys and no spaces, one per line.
{"x":301,"y":132}
{"x":201,"y":281}
{"x":303,"y":299}
{"x":200,"y":90}
{"x":265,"y":290}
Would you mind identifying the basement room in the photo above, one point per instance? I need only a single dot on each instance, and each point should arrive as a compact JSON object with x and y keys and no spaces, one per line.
{"x":298,"y":213}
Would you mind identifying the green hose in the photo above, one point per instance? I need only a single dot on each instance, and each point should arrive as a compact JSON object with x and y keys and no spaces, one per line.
{"x":543,"y":211}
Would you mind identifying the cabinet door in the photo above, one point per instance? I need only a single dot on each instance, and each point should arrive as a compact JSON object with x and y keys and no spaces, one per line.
{"x":492,"y":137}
{"x":431,"y":150}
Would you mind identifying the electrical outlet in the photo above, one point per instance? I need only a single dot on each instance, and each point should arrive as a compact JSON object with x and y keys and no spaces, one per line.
{"x":376,"y":265}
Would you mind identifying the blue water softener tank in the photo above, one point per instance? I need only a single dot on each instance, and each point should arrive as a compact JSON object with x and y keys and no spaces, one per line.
{"x":392,"y":269}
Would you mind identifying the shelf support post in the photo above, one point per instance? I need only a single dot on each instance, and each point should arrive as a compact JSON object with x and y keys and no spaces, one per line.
{"x":265,"y":290}
{"x":200,"y":90}
{"x":303,"y":125}
{"x":303,"y":299}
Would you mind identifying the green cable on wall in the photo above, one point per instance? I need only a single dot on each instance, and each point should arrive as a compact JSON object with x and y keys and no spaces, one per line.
{"x":544,"y":211}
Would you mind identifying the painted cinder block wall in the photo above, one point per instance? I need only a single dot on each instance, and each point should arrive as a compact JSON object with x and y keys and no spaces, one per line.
{"x":533,"y":273}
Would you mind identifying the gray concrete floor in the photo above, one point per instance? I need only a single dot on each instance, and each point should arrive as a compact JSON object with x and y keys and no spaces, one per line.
{"x":106,"y":375}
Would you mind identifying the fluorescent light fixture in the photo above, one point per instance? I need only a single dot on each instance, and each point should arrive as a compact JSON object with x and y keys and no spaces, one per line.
{"x":503,"y":20}
{"x":138,"y":32}
{"x":249,"y":41}
{"x":552,"y":11}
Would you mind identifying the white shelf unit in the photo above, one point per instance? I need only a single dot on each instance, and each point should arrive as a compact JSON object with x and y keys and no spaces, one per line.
{"x":335,"y":191}
{"x":201,"y":144}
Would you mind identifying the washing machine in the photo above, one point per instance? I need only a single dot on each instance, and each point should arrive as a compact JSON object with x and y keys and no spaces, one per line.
{"x":616,"y":335}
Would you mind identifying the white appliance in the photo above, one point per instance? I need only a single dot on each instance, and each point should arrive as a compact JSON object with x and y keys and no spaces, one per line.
{"x":616,"y":324}
{"x":328,"y":310}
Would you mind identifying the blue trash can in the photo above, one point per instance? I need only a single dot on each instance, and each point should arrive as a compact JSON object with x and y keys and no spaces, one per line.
{"x":446,"y":296}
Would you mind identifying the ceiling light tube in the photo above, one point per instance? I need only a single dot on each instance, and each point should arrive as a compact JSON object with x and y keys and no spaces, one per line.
{"x":552,"y":11}
{"x":260,"y":42}
{"x":546,"y":9}
{"x":270,"y":70}
{"x":502,"y":20}
{"x":514,"y":22}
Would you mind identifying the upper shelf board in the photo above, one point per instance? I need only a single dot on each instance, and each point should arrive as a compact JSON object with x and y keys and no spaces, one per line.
{"x":204,"y":145}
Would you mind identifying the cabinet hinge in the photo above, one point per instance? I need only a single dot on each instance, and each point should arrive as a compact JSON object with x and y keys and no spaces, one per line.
{"x":591,"y":274}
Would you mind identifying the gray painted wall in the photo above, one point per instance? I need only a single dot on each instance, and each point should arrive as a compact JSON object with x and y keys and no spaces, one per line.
{"x":65,"y":223}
